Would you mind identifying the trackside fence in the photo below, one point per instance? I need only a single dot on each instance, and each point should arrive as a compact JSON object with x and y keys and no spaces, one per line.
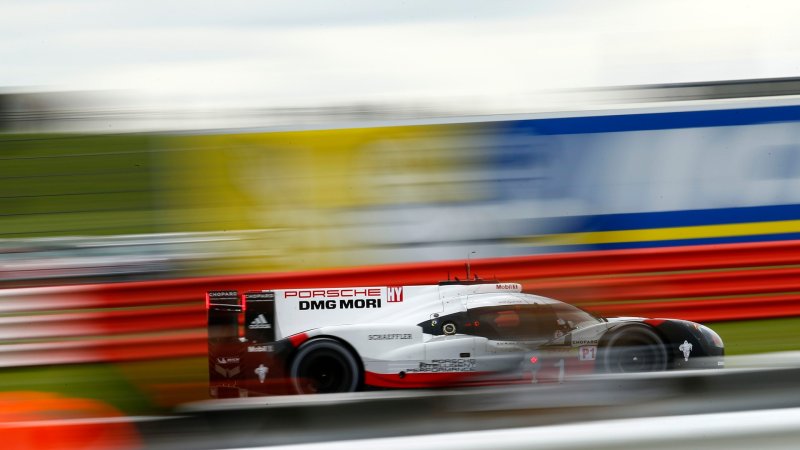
{"x":166,"y":318}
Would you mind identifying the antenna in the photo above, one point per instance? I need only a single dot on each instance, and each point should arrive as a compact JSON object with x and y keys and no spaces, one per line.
{"x":468,"y":268}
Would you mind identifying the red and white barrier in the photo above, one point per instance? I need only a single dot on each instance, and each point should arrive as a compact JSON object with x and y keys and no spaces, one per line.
{"x":166,"y":318}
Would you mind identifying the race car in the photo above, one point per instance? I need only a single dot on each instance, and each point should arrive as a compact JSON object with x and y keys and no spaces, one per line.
{"x":455,"y":333}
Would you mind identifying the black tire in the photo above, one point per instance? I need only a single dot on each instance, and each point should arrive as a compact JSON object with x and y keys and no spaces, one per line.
{"x":633,"y":349}
{"x":324,"y":366}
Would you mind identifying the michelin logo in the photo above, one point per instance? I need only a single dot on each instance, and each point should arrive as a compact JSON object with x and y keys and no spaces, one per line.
{"x":686,"y":348}
{"x":260,"y":323}
{"x":262,"y":372}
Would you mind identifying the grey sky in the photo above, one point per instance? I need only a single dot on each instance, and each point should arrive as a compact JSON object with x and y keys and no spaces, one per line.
{"x":273,"y":53}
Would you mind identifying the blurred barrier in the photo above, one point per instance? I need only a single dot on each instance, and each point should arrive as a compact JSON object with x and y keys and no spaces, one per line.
{"x":763,"y":429}
{"x":162,"y":319}
{"x":192,"y":343}
{"x":334,"y":420}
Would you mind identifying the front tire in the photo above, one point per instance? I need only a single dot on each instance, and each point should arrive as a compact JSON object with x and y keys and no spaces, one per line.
{"x":633,"y":349}
{"x":324,"y":366}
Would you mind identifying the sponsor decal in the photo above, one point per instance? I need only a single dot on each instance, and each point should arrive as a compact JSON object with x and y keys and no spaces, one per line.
{"x":344,"y":303}
{"x":222,"y":298}
{"x":446,"y":365}
{"x":224,"y":360}
{"x":515,"y":344}
{"x":511,"y":301}
{"x":580,"y":342}
{"x":686,"y":348}
{"x":262,"y":372}
{"x":587,"y":353}
{"x":565,"y":353}
{"x":259,"y":296}
{"x":389,"y":337}
{"x":227,"y":373}
{"x":259,"y":348}
{"x":394,"y":294}
{"x":259,"y":323}
{"x":222,"y":294}
{"x":332,"y":293}
{"x":507,"y":286}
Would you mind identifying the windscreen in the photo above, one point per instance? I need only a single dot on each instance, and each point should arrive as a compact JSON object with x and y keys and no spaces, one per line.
{"x":528,"y":322}
{"x":571,"y":317}
{"x":514,"y":322}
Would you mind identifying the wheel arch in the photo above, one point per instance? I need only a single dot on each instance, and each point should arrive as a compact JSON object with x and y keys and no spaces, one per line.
{"x":620,"y":327}
{"x":291,"y":359}
{"x":624,"y":327}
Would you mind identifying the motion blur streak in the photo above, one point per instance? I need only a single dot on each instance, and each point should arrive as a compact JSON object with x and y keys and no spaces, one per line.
{"x":128,"y":321}
{"x":602,"y":400}
{"x":769,"y":429}
{"x":168,"y":204}
{"x":50,"y":422}
{"x":108,"y":241}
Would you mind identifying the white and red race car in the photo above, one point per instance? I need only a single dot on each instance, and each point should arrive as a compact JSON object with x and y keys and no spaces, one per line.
{"x":456,"y":333}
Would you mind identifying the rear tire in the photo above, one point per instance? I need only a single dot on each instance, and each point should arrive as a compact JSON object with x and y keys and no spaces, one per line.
{"x":633,"y":349}
{"x":324,"y":366}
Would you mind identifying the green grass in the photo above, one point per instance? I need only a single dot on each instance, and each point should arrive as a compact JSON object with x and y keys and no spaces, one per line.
{"x":55,"y":185}
{"x":759,"y":336}
{"x":102,"y":382}
{"x":146,"y":387}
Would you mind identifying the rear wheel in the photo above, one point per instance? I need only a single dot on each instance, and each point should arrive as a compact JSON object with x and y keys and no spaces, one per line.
{"x":325,"y":366}
{"x":633,"y":349}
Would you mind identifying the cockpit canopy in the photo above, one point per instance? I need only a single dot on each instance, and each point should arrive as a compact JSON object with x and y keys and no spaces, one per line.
{"x":527,"y":322}
{"x":513,"y":322}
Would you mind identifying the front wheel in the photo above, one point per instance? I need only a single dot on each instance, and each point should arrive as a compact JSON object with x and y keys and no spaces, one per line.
{"x":324,"y":366}
{"x":633,"y":349}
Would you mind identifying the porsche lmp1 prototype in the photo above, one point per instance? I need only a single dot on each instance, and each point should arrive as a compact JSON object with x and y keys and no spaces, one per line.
{"x":456,"y":333}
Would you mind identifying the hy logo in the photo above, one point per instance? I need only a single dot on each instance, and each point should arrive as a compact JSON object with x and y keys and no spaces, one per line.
{"x":686,"y":348}
{"x":262,"y":372}
{"x":260,"y":322}
{"x":394,"y":294}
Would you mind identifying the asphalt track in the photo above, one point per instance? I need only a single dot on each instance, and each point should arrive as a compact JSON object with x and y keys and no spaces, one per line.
{"x":772,"y":428}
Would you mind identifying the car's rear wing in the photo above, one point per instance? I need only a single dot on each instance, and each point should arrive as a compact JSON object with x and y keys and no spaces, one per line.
{"x":223,"y":309}
{"x":236,"y":359}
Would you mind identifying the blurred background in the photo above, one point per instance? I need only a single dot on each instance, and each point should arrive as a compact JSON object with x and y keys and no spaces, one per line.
{"x":152,"y":150}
